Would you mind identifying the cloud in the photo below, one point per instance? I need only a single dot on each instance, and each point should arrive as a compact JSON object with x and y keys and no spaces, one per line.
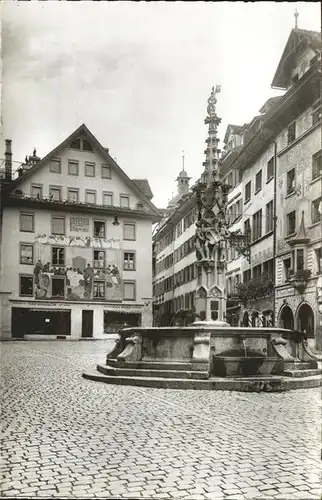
{"x":138,"y":74}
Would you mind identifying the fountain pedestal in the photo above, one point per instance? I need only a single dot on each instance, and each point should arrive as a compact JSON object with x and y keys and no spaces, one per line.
{"x":207,"y":357}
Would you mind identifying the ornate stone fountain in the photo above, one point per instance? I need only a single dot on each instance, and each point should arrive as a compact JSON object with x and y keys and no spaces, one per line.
{"x":210,"y":354}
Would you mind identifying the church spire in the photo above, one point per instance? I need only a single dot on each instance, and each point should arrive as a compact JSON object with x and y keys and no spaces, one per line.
{"x":211,"y":171}
{"x":183,"y":180}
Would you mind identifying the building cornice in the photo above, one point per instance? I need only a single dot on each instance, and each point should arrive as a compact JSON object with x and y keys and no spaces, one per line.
{"x":299,"y":97}
{"x":299,"y":139}
{"x":67,"y":206}
{"x":66,"y":304}
{"x":174,"y":217}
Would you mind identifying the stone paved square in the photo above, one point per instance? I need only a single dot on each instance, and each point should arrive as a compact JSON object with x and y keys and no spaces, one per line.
{"x":66,"y":437}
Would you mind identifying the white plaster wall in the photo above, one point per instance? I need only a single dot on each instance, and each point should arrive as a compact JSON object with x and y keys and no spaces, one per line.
{"x":47,"y":178}
{"x":299,"y":156}
{"x":303,"y":63}
{"x":12,"y":236}
{"x":76,"y":323}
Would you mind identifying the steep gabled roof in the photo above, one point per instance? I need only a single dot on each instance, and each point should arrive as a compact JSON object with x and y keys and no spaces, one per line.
{"x":270,"y":103}
{"x":228,"y":160}
{"x":144,"y":186}
{"x":297,"y":36}
{"x":234,"y":128}
{"x":104,"y":153}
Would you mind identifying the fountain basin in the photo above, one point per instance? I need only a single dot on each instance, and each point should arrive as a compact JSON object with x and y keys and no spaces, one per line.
{"x":241,"y":366}
{"x":206,"y":357}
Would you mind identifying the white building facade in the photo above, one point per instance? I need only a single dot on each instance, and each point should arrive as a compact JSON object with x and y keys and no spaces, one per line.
{"x":76,"y":256}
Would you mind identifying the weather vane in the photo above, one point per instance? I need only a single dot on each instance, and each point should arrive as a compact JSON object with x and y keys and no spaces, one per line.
{"x":296,"y":15}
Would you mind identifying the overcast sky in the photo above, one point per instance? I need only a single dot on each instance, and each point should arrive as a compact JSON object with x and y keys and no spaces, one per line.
{"x":139,"y":75}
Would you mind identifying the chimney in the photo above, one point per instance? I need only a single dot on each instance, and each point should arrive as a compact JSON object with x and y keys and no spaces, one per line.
{"x":8,"y":161}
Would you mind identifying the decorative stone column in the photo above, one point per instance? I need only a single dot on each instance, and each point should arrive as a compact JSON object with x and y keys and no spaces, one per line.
{"x":212,"y":234}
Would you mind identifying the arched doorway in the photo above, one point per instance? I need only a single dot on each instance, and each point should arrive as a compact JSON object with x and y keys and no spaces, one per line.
{"x":287,"y":318}
{"x":305,"y":320}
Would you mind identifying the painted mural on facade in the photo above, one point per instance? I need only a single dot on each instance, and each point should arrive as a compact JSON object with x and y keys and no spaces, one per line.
{"x":77,"y":268}
{"x":77,"y":241}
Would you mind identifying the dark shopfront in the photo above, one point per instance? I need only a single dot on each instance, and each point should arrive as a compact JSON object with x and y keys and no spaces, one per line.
{"x":39,"y":321}
{"x":114,"y":321}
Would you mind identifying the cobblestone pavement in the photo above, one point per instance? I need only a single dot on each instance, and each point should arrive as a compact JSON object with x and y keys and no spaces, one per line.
{"x":64,"y":436}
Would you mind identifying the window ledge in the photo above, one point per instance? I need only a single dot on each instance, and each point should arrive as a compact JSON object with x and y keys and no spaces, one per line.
{"x":246,"y":201}
{"x":290,"y":194}
{"x":298,"y":139}
{"x":289,"y":236}
{"x":269,"y":180}
{"x":258,"y":190}
{"x":261,"y":238}
{"x":316,"y":179}
{"x":318,"y":223}
{"x":237,"y":219}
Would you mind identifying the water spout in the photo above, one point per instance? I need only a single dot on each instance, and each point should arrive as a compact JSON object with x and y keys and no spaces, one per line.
{"x":245,"y":346}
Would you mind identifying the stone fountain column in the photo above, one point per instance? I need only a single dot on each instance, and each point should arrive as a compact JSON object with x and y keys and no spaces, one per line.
{"x":211,"y":229}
